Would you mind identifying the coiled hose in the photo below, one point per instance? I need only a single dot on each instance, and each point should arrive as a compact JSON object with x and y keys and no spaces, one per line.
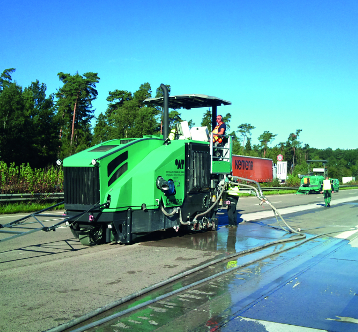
{"x":178,"y":210}
{"x":175,"y":210}
{"x":263,"y":199}
{"x":212,"y":206}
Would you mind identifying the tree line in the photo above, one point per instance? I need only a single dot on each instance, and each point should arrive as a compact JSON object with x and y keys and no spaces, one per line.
{"x":37,"y":128}
{"x":341,"y":163}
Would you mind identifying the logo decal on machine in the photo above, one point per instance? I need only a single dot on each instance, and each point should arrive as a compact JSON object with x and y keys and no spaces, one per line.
{"x":179,"y":163}
{"x":244,"y":164}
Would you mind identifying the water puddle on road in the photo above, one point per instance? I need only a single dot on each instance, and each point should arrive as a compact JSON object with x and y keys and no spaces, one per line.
{"x":241,"y":278}
{"x":226,"y":240}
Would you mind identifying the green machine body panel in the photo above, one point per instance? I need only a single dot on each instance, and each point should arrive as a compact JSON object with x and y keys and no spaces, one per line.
{"x":125,"y":174}
{"x":221,"y":167}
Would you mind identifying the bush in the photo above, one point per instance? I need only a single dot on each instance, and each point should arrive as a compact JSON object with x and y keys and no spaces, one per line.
{"x":293,"y":181}
{"x":23,"y":179}
{"x":273,"y":183}
{"x":352,"y":183}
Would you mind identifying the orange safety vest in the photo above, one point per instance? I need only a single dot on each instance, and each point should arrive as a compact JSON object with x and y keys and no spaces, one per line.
{"x":217,"y":138}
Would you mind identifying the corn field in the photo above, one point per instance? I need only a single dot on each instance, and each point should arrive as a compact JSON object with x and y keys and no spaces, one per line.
{"x":23,"y":179}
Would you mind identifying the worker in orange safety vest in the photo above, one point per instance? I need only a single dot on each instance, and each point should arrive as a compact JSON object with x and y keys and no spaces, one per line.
{"x":219,"y":129}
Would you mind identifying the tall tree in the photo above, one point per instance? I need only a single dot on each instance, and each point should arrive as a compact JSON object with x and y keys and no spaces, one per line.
{"x":44,"y":125}
{"x":245,"y":131}
{"x":206,"y":121}
{"x":174,"y":118}
{"x":305,"y":150}
{"x":13,"y":122}
{"x":127,"y":116}
{"x":5,"y":78}
{"x":248,"y":145}
{"x":74,"y":105}
{"x":265,"y":138}
{"x":28,"y":125}
{"x":116,"y":99}
{"x":226,"y":120}
{"x":101,"y":130}
{"x":293,"y":144}
{"x":235,"y":143}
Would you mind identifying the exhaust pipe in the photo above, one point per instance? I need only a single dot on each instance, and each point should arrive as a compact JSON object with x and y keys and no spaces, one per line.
{"x":166,"y":112}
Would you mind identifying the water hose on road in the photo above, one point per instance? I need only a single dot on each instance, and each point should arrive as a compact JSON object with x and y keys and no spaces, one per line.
{"x":181,"y":275}
{"x":107,"y":307}
{"x":298,"y":237}
{"x":263,"y":199}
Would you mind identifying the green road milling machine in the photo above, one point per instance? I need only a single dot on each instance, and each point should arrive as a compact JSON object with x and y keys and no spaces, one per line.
{"x":125,"y":188}
{"x":312,"y":183}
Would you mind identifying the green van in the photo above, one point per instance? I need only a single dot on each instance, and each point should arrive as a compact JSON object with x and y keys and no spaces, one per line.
{"x":335,"y":184}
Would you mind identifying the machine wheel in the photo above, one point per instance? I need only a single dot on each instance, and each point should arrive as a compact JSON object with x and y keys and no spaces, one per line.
{"x":231,"y":210}
{"x":89,"y":236}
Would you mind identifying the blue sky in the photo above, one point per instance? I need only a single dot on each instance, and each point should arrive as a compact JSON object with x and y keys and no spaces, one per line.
{"x":284,"y":65}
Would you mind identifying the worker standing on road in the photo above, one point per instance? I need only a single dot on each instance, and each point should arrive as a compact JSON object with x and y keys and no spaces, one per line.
{"x":327,"y":190}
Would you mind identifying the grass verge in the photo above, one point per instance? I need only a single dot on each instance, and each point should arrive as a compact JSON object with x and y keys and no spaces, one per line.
{"x":26,"y":207}
{"x":271,"y":192}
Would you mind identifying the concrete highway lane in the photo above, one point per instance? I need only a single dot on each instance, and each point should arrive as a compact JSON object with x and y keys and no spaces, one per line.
{"x":301,"y":290}
{"x":48,"y":278}
{"x":309,"y":288}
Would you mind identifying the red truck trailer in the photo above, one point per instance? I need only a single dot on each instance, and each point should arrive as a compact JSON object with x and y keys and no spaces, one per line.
{"x":254,"y":168}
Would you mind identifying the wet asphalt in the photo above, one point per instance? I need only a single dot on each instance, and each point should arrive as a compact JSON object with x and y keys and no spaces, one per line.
{"x":311,"y":286}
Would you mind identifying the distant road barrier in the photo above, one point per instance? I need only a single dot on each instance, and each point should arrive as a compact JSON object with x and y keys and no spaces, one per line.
{"x":8,"y":198}
{"x":278,"y":188}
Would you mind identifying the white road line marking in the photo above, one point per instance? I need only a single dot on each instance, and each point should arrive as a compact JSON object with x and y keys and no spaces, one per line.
{"x":267,"y":213}
{"x":279,"y":327}
{"x":346,"y":234}
{"x":19,"y":215}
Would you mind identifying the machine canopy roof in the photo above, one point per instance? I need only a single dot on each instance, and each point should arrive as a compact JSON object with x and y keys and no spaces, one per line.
{"x":187,"y":101}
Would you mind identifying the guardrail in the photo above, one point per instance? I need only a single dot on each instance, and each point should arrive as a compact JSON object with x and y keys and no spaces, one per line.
{"x":278,"y":188}
{"x":296,"y":188}
{"x":8,"y":198}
